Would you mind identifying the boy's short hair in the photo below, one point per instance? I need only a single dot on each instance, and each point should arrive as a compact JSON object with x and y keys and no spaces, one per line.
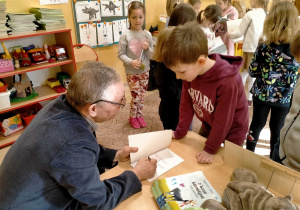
{"x":185,"y":45}
{"x":295,"y":45}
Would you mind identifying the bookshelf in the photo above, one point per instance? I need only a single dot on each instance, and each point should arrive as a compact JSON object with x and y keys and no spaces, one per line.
{"x":61,"y":36}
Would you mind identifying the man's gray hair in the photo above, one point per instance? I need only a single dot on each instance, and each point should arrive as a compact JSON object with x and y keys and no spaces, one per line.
{"x":90,"y":82}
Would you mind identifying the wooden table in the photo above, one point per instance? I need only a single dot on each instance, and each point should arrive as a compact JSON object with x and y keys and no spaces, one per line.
{"x":217,"y":173}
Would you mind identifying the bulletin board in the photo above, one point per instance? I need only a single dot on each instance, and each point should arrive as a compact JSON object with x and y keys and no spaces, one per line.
{"x":100,"y":23}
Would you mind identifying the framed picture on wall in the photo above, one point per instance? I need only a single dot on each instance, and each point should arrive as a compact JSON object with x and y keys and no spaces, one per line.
{"x":111,"y":8}
{"x":87,"y":11}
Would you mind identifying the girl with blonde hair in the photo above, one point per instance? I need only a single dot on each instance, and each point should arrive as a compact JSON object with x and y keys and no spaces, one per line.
{"x":251,"y":28}
{"x":275,"y":70}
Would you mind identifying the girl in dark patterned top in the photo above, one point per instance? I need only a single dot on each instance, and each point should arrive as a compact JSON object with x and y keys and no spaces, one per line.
{"x":275,"y":70}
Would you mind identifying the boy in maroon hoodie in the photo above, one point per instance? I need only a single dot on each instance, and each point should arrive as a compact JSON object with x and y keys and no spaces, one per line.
{"x":212,"y":89}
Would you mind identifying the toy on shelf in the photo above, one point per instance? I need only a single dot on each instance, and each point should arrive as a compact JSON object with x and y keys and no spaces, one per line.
{"x":6,"y":64}
{"x":17,"y":64}
{"x":58,"y":52}
{"x":10,"y":123}
{"x":20,"y":55}
{"x":29,"y":112}
{"x":51,"y":82}
{"x":61,"y":76}
{"x":59,"y":88}
{"x":37,"y":56}
{"x":30,"y":47}
{"x":3,"y":86}
{"x":24,"y":90}
{"x":23,"y":87}
{"x":47,"y":54}
{"x":66,"y":82}
{"x":6,"y":55}
{"x":56,"y":85}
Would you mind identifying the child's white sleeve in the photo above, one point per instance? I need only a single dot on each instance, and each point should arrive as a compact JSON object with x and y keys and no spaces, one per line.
{"x":241,"y":30}
{"x":122,"y":50}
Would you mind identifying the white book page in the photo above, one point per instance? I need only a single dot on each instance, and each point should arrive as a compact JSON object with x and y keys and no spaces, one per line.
{"x":233,"y":25}
{"x":166,"y":160}
{"x":149,"y":143}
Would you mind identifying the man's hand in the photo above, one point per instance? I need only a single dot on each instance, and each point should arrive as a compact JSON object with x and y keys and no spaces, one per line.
{"x":145,"y":168}
{"x":204,"y":157}
{"x":136,"y":63}
{"x":124,"y":154}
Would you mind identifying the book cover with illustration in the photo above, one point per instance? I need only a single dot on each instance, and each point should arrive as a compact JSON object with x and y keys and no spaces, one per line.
{"x":183,"y":191}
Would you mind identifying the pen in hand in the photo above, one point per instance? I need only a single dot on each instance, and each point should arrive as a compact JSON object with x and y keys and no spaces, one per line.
{"x":149,"y":159}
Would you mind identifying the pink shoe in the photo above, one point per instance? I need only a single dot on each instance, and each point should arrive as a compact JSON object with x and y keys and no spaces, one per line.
{"x":142,"y":122}
{"x":134,"y":123}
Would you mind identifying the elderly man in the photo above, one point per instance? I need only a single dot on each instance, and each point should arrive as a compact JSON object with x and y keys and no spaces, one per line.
{"x":56,"y":162}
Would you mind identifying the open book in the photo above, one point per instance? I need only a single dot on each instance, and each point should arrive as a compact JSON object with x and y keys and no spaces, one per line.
{"x":217,"y":46}
{"x":153,"y":145}
{"x":183,"y":191}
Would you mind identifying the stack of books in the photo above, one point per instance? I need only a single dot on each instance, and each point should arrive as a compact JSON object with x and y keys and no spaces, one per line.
{"x":3,"y":28}
{"x":21,"y":22}
{"x":48,"y":19}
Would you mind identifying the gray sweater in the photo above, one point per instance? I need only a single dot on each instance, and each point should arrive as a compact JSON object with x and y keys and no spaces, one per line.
{"x":130,"y":48}
{"x":290,"y":132}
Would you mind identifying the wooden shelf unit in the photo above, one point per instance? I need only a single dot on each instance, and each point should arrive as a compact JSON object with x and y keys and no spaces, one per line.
{"x":63,"y":37}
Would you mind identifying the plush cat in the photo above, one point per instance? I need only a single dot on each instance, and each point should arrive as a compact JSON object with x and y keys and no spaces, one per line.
{"x":245,"y":193}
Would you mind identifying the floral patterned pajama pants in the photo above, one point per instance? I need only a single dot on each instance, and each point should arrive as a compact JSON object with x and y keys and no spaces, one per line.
{"x":138,"y":84}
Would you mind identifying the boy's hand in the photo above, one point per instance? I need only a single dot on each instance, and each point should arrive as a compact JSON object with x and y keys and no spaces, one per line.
{"x":124,"y":154}
{"x":146,"y":45}
{"x":173,"y":135}
{"x":136,"y":63}
{"x":145,"y":168}
{"x":204,"y":157}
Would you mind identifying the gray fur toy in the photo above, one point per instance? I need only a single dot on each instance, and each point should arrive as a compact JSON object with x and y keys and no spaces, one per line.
{"x":245,"y":193}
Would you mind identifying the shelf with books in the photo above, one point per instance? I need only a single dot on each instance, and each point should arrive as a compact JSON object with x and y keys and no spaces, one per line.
{"x":59,"y":36}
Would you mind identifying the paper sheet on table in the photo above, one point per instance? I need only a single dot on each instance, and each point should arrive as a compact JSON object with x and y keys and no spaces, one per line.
{"x":149,"y":143}
{"x":166,"y":160}
{"x":233,"y":25}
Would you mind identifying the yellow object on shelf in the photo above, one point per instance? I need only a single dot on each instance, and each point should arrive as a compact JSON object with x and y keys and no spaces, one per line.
{"x":7,"y":55}
{"x":52,"y":82}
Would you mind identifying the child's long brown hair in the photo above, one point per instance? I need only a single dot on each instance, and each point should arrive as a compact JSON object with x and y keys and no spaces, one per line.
{"x":135,"y":5}
{"x":211,"y":12}
{"x":161,"y":41}
{"x":281,"y":24}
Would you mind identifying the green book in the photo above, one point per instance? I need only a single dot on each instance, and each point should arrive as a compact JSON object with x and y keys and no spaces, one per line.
{"x":187,"y":191}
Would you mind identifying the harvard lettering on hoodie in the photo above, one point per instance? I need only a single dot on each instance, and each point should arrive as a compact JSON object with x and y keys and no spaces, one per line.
{"x":218,"y":99}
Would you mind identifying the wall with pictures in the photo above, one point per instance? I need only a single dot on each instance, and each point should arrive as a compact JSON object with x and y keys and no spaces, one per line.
{"x":107,"y":55}
{"x":100,"y":23}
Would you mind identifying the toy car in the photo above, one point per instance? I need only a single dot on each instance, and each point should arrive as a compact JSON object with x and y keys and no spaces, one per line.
{"x":21,"y":56}
{"x":59,"y":52}
{"x":37,"y":56}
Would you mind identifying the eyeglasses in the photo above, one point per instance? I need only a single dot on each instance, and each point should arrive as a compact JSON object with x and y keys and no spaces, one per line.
{"x":122,"y":104}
